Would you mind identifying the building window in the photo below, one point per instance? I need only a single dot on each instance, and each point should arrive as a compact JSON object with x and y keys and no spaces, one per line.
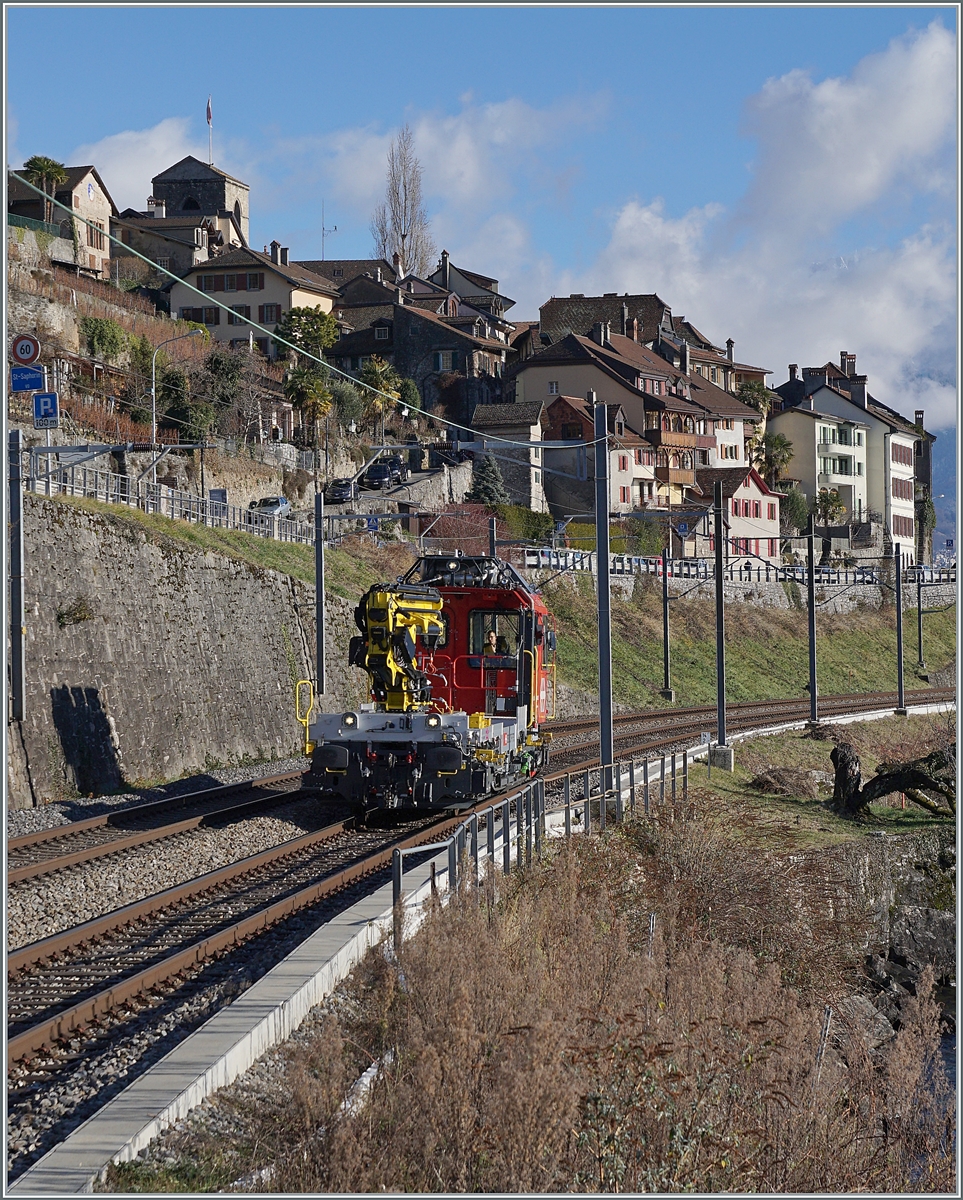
{"x":205,"y":283}
{"x":735,"y":508}
{"x":553,"y":387}
{"x":230,"y":283}
{"x":773,"y":546}
{"x":859,"y":468}
{"x":262,"y":345}
{"x":337,"y":273}
{"x":728,"y":450}
{"x":571,"y":432}
{"x":446,"y":360}
{"x":381,"y":333}
{"x":255,"y":281}
{"x":95,"y":235}
{"x":771,"y":513}
{"x":538,"y":476}
{"x":269,"y":314}
{"x":164,"y":263}
{"x":623,"y":462}
{"x":757,"y":508}
{"x":901,"y":454}
{"x":903,"y":489}
{"x":212,"y":316}
{"x":625,"y":495}
{"x":858,"y":437}
{"x":238,"y":311}
{"x":903,"y":526}
{"x":712,"y":374}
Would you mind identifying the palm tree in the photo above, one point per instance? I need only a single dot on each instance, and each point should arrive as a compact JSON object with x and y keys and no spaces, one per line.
{"x":307,"y":389}
{"x":771,"y":456}
{"x":380,"y":376}
{"x":45,"y":173}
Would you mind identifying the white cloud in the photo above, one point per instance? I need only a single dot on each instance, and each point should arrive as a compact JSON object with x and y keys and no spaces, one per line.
{"x":128,"y":161}
{"x":828,"y":153}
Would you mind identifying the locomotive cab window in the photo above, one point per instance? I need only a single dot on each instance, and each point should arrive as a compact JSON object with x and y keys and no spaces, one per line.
{"x":494,"y":633}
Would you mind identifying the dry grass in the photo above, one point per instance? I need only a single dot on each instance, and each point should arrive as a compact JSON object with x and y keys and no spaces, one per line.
{"x":542,"y":1043}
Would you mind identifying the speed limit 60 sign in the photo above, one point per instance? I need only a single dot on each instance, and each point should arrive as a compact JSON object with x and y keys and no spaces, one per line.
{"x":26,"y":349}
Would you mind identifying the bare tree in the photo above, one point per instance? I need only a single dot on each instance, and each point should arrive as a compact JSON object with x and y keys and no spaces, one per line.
{"x":400,"y":222}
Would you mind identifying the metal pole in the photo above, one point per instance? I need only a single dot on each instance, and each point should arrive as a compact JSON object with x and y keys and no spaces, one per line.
{"x":606,"y":738}
{"x":900,"y":690}
{"x":17,"y":628}
{"x":921,"y":665}
{"x":645,"y":785}
{"x":319,"y":606}
{"x":396,"y":868}
{"x":720,"y":622}
{"x":506,"y":838}
{"x":811,"y":604}
{"x":666,"y":679}
{"x":492,"y":546}
{"x":568,"y":807}
{"x":153,"y":411}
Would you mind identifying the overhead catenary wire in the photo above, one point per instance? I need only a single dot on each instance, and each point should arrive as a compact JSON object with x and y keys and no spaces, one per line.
{"x":209,"y":300}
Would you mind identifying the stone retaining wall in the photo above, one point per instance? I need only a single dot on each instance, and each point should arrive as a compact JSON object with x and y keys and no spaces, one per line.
{"x":146,"y":660}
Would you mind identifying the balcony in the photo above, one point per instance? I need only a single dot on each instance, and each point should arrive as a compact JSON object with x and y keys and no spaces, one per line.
{"x":676,"y":441}
{"x":705,"y":441}
{"x":675,"y":475}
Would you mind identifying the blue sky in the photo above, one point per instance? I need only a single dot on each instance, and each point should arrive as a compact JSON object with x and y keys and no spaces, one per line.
{"x":785,"y":176}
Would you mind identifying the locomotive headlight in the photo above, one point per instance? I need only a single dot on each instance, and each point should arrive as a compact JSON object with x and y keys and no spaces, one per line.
{"x":433,"y":721}
{"x":349,"y":719}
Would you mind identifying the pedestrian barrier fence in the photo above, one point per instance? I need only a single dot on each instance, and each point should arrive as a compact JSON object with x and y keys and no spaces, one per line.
{"x":516,"y":827}
{"x":734,"y":571}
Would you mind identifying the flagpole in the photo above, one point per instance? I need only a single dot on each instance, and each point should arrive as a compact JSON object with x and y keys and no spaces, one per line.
{"x":210,"y":133}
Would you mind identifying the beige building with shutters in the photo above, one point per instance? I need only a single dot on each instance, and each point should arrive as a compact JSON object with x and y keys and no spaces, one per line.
{"x":244,"y":286}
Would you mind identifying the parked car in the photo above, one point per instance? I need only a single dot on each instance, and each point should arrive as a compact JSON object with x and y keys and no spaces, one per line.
{"x":271,"y":506}
{"x":399,"y":466}
{"x":338,"y":491}
{"x":379,"y":475}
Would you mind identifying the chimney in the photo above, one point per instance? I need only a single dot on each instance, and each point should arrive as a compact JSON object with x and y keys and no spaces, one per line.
{"x":793,"y":369}
{"x":597,"y":333}
{"x":396,"y":260}
{"x":401,"y":296}
{"x":275,"y":251}
{"x":919,"y":417}
{"x":444,"y":269}
{"x":284,"y":256}
{"x":633,"y":329}
{"x":857,"y":388}
{"x":625,"y":319}
{"x":378,"y":274}
{"x":156,"y":208}
{"x":684,"y":357}
{"x":730,"y":346}
{"x":814,"y":378}
{"x":847,"y":363}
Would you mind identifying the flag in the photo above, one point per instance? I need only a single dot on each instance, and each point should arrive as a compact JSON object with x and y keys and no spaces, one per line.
{"x":209,"y":112}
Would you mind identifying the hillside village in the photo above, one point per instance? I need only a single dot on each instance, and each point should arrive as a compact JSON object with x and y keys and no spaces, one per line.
{"x":683,"y":412}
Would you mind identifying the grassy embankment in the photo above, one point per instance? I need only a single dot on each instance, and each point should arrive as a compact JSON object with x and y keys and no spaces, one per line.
{"x":767,"y":648}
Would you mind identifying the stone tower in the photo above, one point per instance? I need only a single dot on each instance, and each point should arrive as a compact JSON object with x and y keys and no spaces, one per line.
{"x":191,"y":186}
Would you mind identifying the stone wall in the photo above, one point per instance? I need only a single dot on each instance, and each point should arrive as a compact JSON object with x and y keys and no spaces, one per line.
{"x":146,"y":660}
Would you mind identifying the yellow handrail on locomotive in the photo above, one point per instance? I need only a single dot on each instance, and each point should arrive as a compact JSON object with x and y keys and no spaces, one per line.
{"x":304,"y":718}
{"x":533,"y":707}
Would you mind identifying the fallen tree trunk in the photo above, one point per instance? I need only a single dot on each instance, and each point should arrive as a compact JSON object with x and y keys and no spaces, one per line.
{"x":935,"y":773}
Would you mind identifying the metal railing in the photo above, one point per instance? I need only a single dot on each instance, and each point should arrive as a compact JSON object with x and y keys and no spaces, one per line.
{"x":111,"y":488}
{"x":734,"y":571}
{"x":515,"y":828}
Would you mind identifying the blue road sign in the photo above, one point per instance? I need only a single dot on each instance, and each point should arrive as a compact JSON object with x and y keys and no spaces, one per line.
{"x":373,"y":523}
{"x":26,"y":379}
{"x":949,"y":543}
{"x":683,"y":528}
{"x":46,"y":410}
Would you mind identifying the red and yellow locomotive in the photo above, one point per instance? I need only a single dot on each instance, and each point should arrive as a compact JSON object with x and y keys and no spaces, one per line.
{"x":461,"y":656}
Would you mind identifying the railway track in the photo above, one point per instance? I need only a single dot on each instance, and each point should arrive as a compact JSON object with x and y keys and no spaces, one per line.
{"x":37,"y":854}
{"x":59,"y":985}
{"x":685,"y":724}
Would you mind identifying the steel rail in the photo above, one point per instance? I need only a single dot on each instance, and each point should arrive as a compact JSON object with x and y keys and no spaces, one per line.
{"x":144,"y":836}
{"x":45,"y":1033}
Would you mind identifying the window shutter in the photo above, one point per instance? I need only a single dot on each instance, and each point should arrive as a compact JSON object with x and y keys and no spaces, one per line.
{"x":260,"y":314}
{"x":198,"y":315}
{"x":218,"y":283}
{"x":437,"y":361}
{"x":454,"y":360}
{"x":217,"y":316}
{"x":260,"y":281}
{"x":242,"y":282}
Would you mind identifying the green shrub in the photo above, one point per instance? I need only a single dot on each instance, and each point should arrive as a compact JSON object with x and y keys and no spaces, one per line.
{"x":105,"y":338}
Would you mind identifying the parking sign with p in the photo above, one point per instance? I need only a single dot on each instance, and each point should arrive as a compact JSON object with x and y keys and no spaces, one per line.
{"x":46,"y":410}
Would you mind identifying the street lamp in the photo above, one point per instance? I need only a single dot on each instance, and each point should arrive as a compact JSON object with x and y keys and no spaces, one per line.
{"x":153,"y":389}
